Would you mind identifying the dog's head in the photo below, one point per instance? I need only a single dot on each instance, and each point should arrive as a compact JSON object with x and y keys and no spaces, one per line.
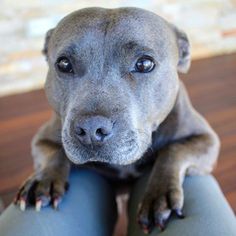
{"x":113,"y":79}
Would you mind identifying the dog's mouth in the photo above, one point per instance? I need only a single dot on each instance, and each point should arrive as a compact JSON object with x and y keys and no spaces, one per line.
{"x":122,"y":150}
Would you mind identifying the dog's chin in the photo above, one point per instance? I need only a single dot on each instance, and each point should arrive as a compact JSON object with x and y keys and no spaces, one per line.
{"x":119,"y":160}
{"x":82,"y":156}
{"x":121,"y":153}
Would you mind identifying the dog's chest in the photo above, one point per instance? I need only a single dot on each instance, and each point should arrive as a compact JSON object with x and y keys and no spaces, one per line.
{"x":124,"y":172}
{"x":116,"y":172}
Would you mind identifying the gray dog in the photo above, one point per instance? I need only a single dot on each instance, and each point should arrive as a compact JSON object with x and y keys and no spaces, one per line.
{"x":119,"y":107}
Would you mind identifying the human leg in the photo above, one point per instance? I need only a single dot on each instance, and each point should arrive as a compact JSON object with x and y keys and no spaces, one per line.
{"x":206,"y":209}
{"x":88,"y":209}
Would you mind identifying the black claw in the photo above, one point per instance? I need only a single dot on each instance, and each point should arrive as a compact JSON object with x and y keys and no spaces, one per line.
{"x":146,"y":230}
{"x":67,"y":186}
{"x":179,"y":213}
{"x":161,"y":224}
{"x":145,"y":225}
{"x":162,"y":227}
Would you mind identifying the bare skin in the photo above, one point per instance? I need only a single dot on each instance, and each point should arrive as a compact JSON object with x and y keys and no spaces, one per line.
{"x":151,"y":111}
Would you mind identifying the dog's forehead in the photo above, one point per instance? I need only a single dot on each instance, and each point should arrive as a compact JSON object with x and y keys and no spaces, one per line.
{"x":121,"y":26}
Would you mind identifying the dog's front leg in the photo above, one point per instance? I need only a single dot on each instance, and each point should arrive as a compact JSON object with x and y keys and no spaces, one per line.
{"x":164,"y":193}
{"x":49,"y":181}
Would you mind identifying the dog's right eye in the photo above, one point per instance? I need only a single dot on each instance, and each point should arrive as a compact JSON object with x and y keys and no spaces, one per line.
{"x":64,"y":65}
{"x":144,"y":64}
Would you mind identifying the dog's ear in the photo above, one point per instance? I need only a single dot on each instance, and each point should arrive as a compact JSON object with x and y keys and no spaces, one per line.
{"x":184,"y":50}
{"x":47,"y":38}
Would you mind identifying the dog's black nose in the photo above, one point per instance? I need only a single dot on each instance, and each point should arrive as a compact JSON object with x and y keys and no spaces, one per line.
{"x":95,"y":129}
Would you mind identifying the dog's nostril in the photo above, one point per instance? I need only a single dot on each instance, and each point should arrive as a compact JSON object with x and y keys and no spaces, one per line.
{"x":81,"y":132}
{"x":101,"y":132}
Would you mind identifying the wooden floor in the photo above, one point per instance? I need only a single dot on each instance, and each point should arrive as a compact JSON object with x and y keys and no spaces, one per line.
{"x":212,"y":87}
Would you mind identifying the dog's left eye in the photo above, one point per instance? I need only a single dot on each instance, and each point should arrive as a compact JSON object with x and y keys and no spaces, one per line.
{"x":64,"y":65}
{"x":144,"y":64}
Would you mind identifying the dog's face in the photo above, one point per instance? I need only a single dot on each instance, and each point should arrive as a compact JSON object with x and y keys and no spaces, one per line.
{"x":113,"y":79}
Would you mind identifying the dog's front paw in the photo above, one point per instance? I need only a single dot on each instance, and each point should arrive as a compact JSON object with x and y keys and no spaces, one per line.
{"x":158,"y":204}
{"x":41,"y":189}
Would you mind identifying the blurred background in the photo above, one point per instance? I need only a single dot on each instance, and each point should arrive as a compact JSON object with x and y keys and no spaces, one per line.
{"x":210,"y":25}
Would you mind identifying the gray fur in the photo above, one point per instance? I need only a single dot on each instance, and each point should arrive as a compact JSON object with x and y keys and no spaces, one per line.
{"x":155,"y":122}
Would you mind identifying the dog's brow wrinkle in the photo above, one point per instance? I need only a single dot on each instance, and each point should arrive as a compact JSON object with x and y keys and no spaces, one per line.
{"x":133,"y":45}
{"x":70,"y":50}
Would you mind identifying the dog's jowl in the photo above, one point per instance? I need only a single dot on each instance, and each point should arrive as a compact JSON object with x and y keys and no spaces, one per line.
{"x":113,"y":85}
